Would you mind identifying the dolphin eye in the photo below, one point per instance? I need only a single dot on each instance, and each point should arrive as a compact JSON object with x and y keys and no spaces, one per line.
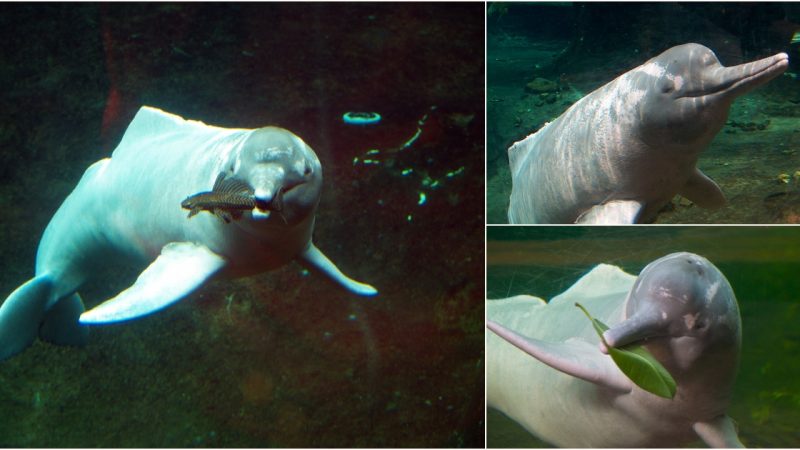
{"x":307,"y":171}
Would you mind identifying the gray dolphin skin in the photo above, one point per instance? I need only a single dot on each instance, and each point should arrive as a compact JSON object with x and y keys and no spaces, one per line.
{"x":128,"y":208}
{"x":547,"y":370}
{"x":622,"y":152}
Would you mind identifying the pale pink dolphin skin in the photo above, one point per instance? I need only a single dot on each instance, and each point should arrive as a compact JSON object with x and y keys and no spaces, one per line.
{"x":127,"y":208}
{"x":622,"y":152}
{"x":547,"y":370}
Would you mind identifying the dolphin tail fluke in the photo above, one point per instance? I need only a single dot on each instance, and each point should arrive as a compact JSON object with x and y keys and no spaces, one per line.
{"x":21,"y":314}
{"x":60,"y":325}
{"x":314,"y":259}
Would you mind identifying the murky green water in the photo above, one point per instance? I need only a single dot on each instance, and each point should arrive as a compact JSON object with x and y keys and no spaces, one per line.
{"x":762,"y":264}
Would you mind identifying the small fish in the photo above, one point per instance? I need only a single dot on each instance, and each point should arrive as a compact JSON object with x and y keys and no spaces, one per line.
{"x":226,"y":200}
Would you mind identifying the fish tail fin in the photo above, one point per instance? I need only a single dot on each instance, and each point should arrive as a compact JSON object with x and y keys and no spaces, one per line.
{"x":25,"y":314}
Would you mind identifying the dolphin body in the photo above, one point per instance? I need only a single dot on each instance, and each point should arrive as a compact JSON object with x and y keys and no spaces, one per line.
{"x":547,"y":370}
{"x":128,"y":208}
{"x":621,"y":153}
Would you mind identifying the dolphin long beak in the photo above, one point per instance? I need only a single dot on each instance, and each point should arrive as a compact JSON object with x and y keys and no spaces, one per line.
{"x":745,"y":77}
{"x":266,"y":181}
{"x":640,"y":326}
{"x":263,"y":199}
{"x":741,"y":79}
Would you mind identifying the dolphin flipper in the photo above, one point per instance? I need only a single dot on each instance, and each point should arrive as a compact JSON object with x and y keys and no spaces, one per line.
{"x":312,"y":258}
{"x":574,"y":357}
{"x":180,"y":269}
{"x":21,"y":315}
{"x":612,"y":212}
{"x":528,"y":301}
{"x":719,"y":432}
{"x":703,"y":191}
{"x":60,"y":325}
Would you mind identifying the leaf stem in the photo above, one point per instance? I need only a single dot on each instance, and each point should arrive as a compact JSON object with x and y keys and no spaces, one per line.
{"x":595,"y":323}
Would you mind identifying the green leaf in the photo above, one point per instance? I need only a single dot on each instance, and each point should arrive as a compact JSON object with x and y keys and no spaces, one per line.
{"x":637,"y":363}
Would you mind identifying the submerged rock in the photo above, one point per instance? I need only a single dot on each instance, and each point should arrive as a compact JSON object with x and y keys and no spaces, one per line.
{"x":541,"y":85}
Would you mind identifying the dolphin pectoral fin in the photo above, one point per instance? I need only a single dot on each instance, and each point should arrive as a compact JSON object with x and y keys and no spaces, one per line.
{"x":524,"y":299}
{"x":719,"y":432}
{"x":313,"y":259}
{"x":703,"y":191}
{"x":61,"y":326}
{"x":574,"y":357}
{"x":613,"y":212}
{"x":180,"y":269}
{"x":21,"y":315}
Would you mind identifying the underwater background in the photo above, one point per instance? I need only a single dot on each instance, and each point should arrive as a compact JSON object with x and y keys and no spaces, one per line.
{"x":543,"y":57}
{"x":280,"y":359}
{"x":761,"y":263}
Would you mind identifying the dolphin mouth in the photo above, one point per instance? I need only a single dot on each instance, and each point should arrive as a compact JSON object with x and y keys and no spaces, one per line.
{"x":775,"y":65}
{"x":745,"y":77}
{"x":264,"y":207}
{"x":260,"y":214}
{"x":623,"y":341}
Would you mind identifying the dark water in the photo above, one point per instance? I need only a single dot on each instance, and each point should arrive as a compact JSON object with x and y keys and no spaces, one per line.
{"x":279,"y":359}
{"x":761,"y":264}
{"x":582,"y":46}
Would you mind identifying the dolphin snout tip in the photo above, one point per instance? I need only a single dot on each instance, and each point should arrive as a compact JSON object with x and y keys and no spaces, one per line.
{"x":262,"y":194}
{"x":609,"y":341}
{"x":780,"y":62}
{"x":263,"y":198}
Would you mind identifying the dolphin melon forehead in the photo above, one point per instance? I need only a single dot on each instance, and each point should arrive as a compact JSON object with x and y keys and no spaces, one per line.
{"x":685,"y":53}
{"x":686,"y":278}
{"x":673,"y":63}
{"x":656,"y":70}
{"x":669,"y":278}
{"x":272,"y":142}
